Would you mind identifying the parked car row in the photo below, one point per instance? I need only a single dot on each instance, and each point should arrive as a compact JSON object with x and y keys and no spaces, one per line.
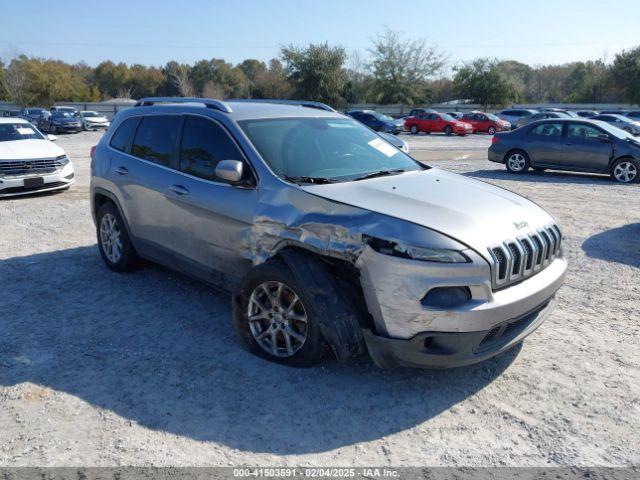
{"x":62,"y":119}
{"x":626,"y":120}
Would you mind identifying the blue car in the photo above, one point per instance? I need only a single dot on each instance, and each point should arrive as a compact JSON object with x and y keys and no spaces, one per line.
{"x":376,"y":121}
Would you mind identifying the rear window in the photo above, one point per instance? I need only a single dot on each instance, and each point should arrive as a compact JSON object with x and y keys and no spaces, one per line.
{"x":155,"y":139}
{"x":122,"y":138}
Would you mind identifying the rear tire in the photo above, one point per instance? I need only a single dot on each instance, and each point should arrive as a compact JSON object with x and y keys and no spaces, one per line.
{"x":517,"y":161}
{"x":114,"y":243}
{"x":283,"y":327}
{"x":415,"y":130}
{"x":625,"y":170}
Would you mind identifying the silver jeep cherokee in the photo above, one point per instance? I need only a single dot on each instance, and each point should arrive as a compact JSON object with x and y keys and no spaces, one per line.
{"x":325,"y":234}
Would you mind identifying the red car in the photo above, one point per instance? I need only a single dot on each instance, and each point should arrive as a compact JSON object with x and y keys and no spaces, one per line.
{"x":437,"y":122}
{"x":486,"y":122}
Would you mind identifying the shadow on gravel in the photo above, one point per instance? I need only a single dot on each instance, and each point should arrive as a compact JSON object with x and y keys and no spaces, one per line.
{"x":159,"y":350}
{"x":545,"y":177}
{"x":621,"y":245}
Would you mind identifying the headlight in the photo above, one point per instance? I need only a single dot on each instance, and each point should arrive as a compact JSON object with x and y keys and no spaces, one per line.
{"x":425,"y":254}
{"x":63,"y":159}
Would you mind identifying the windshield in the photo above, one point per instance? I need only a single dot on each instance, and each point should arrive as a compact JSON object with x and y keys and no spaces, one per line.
{"x":382,"y":117}
{"x":62,"y":115}
{"x":18,"y":131}
{"x":491,"y":116}
{"x":615,"y":131}
{"x":90,"y":114}
{"x":335,"y":149}
{"x":447,"y":118}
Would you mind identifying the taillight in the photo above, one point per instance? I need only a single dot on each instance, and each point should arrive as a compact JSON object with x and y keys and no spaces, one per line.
{"x":93,"y":149}
{"x":494,"y":139}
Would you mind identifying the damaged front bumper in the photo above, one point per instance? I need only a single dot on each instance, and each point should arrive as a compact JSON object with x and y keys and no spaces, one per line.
{"x":453,"y":349}
{"x":411,"y":332}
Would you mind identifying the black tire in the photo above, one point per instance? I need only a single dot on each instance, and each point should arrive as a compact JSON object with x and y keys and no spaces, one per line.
{"x":311,"y":350}
{"x":52,"y":129}
{"x":128,"y":259}
{"x":415,"y":130}
{"x":629,"y":165}
{"x":517,"y":161}
{"x":491,"y":130}
{"x":448,"y":130}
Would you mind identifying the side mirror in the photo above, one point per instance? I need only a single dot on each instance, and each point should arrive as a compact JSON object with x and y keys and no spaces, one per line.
{"x":604,"y":138}
{"x":230,"y":170}
{"x":51,"y":138}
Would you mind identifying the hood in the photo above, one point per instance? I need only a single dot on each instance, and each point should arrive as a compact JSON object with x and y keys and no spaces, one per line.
{"x":96,"y":119}
{"x":29,"y":149}
{"x":475,"y":213}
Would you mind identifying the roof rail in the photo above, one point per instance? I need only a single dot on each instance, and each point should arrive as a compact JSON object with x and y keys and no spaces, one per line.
{"x":208,"y":102}
{"x":299,"y":103}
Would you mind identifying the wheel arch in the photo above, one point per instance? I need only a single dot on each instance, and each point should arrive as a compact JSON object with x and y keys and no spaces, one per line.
{"x":513,"y":150}
{"x":334,"y":285}
{"x":621,"y":157}
{"x":99,"y":197}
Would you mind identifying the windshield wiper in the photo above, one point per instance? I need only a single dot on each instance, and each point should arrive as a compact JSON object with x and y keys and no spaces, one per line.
{"x":306,"y":179}
{"x":380,"y":173}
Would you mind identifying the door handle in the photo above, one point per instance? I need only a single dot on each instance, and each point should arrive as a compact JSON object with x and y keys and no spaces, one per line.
{"x":121,"y":170}
{"x":179,"y":190}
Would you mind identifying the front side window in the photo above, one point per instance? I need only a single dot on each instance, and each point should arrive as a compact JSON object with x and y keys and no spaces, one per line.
{"x":18,"y":131}
{"x":156,"y":138}
{"x":331,"y":149}
{"x":204,"y":143}
{"x":547,"y":130}
{"x":582,"y":132}
{"x":123,"y":136}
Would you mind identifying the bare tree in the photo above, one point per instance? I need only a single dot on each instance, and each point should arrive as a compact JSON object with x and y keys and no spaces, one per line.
{"x":182,"y":82}
{"x":15,"y":81}
{"x":402,"y":67}
{"x":213,"y":90}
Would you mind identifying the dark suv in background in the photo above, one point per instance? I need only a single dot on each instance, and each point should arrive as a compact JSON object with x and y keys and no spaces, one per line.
{"x":376,"y":121}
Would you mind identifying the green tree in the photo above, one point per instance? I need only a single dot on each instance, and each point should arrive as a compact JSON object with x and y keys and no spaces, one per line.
{"x":482,"y":82}
{"x":217,"y":72}
{"x":4,"y":95}
{"x":316,"y":72}
{"x":402,"y":68}
{"x":625,"y":72}
{"x":111,"y":78}
{"x":271,"y":83}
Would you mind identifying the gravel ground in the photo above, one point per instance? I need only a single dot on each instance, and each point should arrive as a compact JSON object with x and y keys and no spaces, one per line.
{"x":102,"y":369}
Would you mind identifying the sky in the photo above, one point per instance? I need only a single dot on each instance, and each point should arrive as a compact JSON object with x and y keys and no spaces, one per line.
{"x":153,"y":32}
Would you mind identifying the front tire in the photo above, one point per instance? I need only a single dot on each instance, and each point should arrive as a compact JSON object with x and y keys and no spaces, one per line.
{"x":448,"y":131}
{"x":114,"y":243}
{"x":625,"y":170}
{"x":517,"y":161}
{"x":492,"y":130}
{"x":275,"y":317}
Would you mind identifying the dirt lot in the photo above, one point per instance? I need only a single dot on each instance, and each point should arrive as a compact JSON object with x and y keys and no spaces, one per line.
{"x":98,"y":368}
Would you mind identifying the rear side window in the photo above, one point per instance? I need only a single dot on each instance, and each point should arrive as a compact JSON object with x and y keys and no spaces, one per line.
{"x":122,"y":138}
{"x":204,"y":143}
{"x":580,"y":131}
{"x":547,"y":130}
{"x":156,"y":138}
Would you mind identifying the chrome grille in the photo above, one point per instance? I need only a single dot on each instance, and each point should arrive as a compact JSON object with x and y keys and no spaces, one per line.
{"x":520,"y":258}
{"x":22,"y":167}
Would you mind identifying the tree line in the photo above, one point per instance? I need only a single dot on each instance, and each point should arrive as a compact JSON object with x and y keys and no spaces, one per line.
{"x":394,"y":70}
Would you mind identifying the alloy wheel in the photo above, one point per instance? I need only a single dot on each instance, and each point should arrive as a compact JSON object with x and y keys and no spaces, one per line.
{"x":625,"y":172}
{"x":110,"y":238}
{"x":516,"y":162}
{"x":277,"y":319}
